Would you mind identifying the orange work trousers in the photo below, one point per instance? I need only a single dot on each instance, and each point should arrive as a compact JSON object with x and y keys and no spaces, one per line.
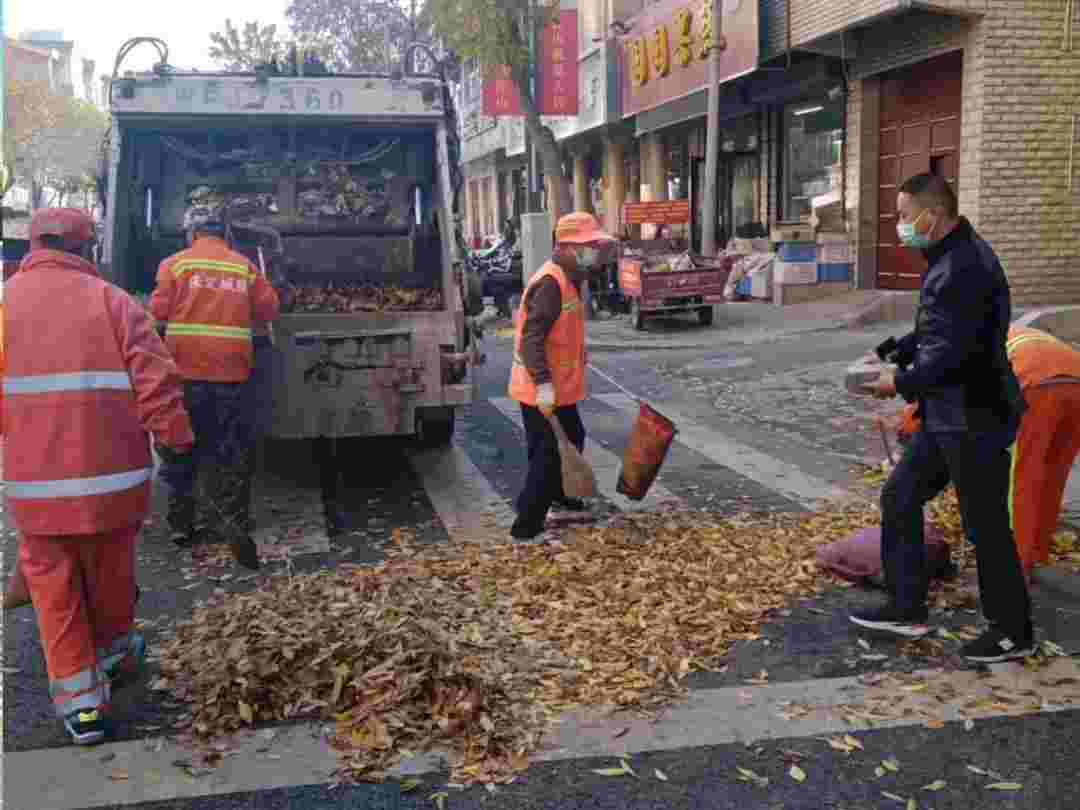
{"x":1047,"y":445}
{"x":83,"y":590}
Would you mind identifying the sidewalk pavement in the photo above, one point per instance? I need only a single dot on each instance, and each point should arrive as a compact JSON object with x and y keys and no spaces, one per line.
{"x":736,"y":322}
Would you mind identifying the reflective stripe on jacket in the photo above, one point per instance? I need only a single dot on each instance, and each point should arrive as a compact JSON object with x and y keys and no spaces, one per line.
{"x":85,"y":383}
{"x":564,"y":346}
{"x":212,"y":297}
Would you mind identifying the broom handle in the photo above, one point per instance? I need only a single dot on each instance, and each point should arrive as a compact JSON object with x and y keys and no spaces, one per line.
{"x":556,"y":425}
{"x":606,"y":378}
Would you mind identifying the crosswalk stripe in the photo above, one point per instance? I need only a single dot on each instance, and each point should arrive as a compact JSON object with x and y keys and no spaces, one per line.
{"x":606,"y":465}
{"x":465,"y":501}
{"x":781,"y":477}
{"x":74,"y":779}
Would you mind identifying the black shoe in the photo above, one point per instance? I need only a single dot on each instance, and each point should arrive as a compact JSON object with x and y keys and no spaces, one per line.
{"x":245,"y":552}
{"x":889,"y":619}
{"x":523,"y":531}
{"x":571,"y":505}
{"x":994,"y":646}
{"x":183,"y":539}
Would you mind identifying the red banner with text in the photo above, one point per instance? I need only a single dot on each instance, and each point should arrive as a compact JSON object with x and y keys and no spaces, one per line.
{"x":557,"y":72}
{"x":559,"y":66}
{"x":500,"y":95}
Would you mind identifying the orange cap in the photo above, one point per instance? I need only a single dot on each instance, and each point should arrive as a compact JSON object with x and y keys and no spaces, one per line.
{"x":72,"y":226}
{"x":580,"y":228}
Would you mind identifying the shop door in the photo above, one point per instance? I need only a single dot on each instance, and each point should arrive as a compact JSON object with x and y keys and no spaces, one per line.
{"x":920,"y":132}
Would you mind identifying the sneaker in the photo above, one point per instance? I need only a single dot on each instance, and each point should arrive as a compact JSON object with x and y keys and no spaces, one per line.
{"x":889,"y":619}
{"x":994,"y":646}
{"x":86,"y":727}
{"x":245,"y":552}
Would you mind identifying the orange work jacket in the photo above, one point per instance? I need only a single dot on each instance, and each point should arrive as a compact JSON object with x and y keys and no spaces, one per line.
{"x":211,"y":297}
{"x":1036,"y":357}
{"x":86,"y":380}
{"x":564,"y":346}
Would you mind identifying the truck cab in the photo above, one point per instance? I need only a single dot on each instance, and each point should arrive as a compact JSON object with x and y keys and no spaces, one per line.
{"x":340,"y":188}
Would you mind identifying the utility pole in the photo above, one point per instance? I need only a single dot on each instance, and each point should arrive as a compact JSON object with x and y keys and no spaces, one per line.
{"x":712,"y":134}
{"x":533,"y":197}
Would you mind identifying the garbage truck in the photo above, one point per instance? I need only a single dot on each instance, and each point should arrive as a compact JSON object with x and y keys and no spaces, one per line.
{"x":343,"y":189}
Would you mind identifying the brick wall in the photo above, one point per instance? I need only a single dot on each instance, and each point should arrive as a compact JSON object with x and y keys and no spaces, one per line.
{"x":1020,"y":91}
{"x":1030,"y":90}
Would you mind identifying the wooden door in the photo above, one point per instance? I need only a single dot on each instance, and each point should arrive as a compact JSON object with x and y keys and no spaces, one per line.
{"x":920,"y":132}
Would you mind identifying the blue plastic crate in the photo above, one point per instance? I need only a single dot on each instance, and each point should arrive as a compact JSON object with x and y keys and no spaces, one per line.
{"x":834,"y":272}
{"x":798,"y":252}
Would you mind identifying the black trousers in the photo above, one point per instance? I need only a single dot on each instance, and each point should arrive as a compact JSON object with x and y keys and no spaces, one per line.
{"x":543,"y":482}
{"x":980,"y":467}
{"x":224,"y":441}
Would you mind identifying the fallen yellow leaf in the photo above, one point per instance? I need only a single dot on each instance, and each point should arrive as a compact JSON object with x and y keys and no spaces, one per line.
{"x":912,"y":805}
{"x":892,"y":796}
{"x":1004,"y":786}
{"x":891,"y":764}
{"x":660,"y":774}
{"x":410,"y":785}
{"x":853,"y":742}
{"x":611,"y":771}
{"x":937,"y":784}
{"x":245,"y":713}
{"x":439,"y":799}
{"x":797,"y":773}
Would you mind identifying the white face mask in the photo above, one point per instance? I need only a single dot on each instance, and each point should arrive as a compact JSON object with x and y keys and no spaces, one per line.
{"x":588,"y":257}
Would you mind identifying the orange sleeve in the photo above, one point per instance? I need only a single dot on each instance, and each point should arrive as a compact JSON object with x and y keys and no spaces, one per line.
{"x":159,"y":392}
{"x":265,"y":305}
{"x":910,"y":424}
{"x":161,"y":301}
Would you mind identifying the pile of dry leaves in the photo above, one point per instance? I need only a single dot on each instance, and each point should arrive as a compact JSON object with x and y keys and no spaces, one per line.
{"x":476,"y":648}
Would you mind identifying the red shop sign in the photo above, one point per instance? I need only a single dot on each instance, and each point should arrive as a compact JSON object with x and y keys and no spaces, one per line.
{"x":500,"y":95}
{"x":559,"y":66}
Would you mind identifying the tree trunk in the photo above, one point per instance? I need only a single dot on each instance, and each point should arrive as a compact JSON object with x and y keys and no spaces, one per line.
{"x":560,"y":201}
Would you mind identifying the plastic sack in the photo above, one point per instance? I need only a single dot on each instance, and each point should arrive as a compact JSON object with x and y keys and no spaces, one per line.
{"x":858,"y":558}
{"x":645,"y":453}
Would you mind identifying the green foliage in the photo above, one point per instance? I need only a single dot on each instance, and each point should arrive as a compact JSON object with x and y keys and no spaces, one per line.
{"x":494,"y":32}
{"x":356,"y":35}
{"x":239,"y":49}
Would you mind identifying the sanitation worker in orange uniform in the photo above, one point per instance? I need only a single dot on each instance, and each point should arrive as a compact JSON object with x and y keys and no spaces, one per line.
{"x":212,"y":297}
{"x":1048,"y":442}
{"x":548,"y":373}
{"x":87,"y":380}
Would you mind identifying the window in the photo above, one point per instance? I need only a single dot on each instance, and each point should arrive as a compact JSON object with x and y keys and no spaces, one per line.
{"x":813,"y":137}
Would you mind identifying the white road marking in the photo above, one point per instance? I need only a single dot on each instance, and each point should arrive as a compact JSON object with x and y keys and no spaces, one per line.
{"x":779,"y":476}
{"x":466,"y":503}
{"x":606,"y":465}
{"x":74,"y":778}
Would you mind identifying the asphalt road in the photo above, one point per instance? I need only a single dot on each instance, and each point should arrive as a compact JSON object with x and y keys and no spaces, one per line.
{"x":780,"y":401}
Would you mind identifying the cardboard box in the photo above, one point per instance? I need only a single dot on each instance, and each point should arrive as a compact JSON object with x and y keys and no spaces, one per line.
{"x":796,"y":232}
{"x":795,"y":273}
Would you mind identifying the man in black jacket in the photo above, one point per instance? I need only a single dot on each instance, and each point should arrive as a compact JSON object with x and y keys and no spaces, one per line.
{"x":954,"y":365}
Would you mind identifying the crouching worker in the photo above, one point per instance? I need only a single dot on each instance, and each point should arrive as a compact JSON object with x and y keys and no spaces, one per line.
{"x":1048,"y":441}
{"x":85,"y":386}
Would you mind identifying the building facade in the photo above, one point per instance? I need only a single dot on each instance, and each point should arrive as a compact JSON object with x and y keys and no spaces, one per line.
{"x":826,"y":107}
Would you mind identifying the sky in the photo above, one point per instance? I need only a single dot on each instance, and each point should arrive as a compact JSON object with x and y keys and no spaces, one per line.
{"x":100,"y":27}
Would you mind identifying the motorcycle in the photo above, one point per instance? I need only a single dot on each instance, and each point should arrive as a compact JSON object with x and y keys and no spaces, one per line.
{"x":499,"y":268}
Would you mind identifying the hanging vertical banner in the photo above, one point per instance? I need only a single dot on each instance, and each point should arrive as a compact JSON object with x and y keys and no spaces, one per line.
{"x":500,"y":95}
{"x":558,"y":67}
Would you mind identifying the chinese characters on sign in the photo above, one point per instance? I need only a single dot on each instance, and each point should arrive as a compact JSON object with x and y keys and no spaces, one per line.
{"x":666,"y":57}
{"x":500,"y":94}
{"x":559,"y":66}
{"x":558,"y":75}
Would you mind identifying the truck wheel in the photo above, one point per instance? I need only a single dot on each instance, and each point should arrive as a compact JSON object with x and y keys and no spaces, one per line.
{"x":637,"y":317}
{"x":705,"y":314}
{"x":434,"y":426}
